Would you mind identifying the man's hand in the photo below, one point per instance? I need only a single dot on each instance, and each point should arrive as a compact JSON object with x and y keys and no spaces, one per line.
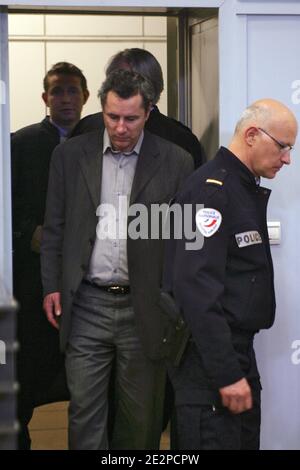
{"x":237,"y":397}
{"x":52,"y":308}
{"x":36,"y":240}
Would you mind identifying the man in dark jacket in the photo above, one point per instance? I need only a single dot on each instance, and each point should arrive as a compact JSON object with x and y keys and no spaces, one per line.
{"x":143,"y":62}
{"x":225,"y":290}
{"x":40,"y":364}
{"x":102,"y":283}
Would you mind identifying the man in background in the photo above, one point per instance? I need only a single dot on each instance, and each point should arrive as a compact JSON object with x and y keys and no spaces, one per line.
{"x":143,"y":62}
{"x":40,"y":366}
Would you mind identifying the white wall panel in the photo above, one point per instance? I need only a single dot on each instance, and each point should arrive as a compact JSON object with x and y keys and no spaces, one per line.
{"x":273,"y":68}
{"x":155,"y":26}
{"x":87,"y":41}
{"x":26,"y":73}
{"x":91,"y":58}
{"x":77,"y":25}
{"x":21,"y":25}
{"x":159,"y":50}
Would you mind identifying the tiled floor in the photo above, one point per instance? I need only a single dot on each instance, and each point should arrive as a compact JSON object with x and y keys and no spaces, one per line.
{"x":48,"y":428}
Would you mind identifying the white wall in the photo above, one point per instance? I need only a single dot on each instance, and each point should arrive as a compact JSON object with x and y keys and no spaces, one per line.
{"x":259,"y":43}
{"x":38,"y":41}
{"x":280,"y":371}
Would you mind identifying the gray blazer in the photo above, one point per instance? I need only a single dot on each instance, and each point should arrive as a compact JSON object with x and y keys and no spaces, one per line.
{"x":70,"y":226}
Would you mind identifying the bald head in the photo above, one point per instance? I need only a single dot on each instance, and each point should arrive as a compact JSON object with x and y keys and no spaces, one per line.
{"x":263,"y":112}
{"x":264,"y":136}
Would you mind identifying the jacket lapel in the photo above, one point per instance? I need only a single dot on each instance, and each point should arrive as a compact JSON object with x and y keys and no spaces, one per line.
{"x":148,"y":162}
{"x":91,"y":164}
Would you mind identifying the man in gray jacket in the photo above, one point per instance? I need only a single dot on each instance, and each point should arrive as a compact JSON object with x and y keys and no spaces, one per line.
{"x":104,"y":288}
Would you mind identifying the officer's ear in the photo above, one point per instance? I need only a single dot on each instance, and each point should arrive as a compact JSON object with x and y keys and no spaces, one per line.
{"x":250,"y":135}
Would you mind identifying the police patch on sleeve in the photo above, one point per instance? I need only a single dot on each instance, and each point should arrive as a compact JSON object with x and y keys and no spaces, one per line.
{"x":208,"y":221}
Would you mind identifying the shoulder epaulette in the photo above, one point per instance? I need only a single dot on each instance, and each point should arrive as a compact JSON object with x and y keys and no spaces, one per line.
{"x":217,"y":178}
{"x":212,"y":181}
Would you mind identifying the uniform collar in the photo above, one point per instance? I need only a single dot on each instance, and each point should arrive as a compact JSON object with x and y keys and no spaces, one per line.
{"x":231,"y":161}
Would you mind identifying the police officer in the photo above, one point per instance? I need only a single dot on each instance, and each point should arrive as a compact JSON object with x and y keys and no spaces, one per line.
{"x":225,"y":290}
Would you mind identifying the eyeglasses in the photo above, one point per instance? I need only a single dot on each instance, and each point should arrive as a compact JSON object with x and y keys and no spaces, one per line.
{"x":284,"y":147}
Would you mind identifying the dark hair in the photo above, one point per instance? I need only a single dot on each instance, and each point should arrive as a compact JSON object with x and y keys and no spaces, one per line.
{"x":126,"y":84}
{"x":65,"y":68}
{"x":142,"y":62}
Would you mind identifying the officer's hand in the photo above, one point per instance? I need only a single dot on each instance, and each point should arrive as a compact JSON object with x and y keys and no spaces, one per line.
{"x":237,"y":397}
{"x":52,"y":308}
{"x":36,"y":240}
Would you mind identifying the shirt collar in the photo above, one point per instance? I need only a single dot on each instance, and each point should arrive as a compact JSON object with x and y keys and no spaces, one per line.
{"x":107,"y":145}
{"x":62,"y":132}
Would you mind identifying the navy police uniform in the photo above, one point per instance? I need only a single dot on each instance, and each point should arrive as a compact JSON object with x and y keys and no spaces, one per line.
{"x":226,"y":294}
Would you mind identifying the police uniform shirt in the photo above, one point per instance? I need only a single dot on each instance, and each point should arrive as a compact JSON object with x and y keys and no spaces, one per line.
{"x":227,"y":285}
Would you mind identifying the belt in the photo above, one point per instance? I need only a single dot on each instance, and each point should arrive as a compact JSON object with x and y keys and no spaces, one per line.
{"x":117,"y":290}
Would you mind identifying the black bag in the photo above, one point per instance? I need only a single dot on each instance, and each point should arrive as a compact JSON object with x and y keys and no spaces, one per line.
{"x":178,"y":333}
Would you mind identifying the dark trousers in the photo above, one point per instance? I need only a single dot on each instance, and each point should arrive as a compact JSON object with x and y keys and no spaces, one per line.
{"x":202,"y":422}
{"x":103,"y":333}
{"x":215,"y":428}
